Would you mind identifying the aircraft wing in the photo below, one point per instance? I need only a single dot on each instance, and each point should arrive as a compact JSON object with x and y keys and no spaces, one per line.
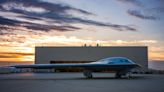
{"x":88,"y":66}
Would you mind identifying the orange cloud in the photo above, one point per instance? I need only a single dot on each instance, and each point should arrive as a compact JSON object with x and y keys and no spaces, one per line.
{"x":10,"y":56}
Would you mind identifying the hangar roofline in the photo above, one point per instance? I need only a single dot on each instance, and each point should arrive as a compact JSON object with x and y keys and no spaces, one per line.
{"x":86,"y":46}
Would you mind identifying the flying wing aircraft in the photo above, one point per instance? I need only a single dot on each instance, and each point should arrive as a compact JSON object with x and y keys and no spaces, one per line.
{"x":120,"y":65}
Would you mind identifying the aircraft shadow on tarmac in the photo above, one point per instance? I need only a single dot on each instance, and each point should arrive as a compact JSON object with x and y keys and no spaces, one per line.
{"x":103,"y":78}
{"x":79,"y":78}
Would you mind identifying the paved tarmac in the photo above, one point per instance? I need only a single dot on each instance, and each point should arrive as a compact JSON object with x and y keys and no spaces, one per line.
{"x":75,"y":82}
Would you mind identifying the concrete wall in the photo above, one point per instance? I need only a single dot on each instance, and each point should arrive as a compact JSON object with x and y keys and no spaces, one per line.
{"x":43,"y":55}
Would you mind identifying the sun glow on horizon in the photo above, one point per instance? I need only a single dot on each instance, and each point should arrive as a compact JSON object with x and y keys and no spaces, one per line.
{"x":26,"y":51}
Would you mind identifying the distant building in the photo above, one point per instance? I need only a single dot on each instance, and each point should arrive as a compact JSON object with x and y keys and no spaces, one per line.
{"x":47,"y":55}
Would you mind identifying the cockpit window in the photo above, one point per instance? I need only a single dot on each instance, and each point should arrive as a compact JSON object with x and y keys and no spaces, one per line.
{"x":115,"y":60}
{"x":124,"y":60}
{"x":118,"y":61}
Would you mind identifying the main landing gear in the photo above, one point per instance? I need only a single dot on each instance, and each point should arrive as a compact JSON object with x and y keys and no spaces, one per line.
{"x":119,"y":75}
{"x":88,"y":74}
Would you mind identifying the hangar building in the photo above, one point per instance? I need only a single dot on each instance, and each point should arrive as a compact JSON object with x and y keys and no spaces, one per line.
{"x":47,"y":55}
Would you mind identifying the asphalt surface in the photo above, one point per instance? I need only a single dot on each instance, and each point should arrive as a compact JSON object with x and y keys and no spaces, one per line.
{"x":75,"y":82}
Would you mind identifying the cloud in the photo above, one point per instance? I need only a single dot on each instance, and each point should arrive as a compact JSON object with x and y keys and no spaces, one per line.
{"x":148,"y":9}
{"x":139,"y":14}
{"x":14,"y":54}
{"x":8,"y":56}
{"x":20,"y":7}
{"x":34,"y":26}
{"x":17,"y":53}
{"x":5,"y":21}
{"x":133,"y":2}
{"x":61,"y":20}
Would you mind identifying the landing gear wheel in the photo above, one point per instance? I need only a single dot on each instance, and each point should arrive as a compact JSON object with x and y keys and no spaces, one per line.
{"x":88,"y":74}
{"x":118,"y":76}
{"x":129,"y":75}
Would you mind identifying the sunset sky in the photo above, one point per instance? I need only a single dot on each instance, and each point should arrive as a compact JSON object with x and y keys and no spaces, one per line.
{"x":25,"y":24}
